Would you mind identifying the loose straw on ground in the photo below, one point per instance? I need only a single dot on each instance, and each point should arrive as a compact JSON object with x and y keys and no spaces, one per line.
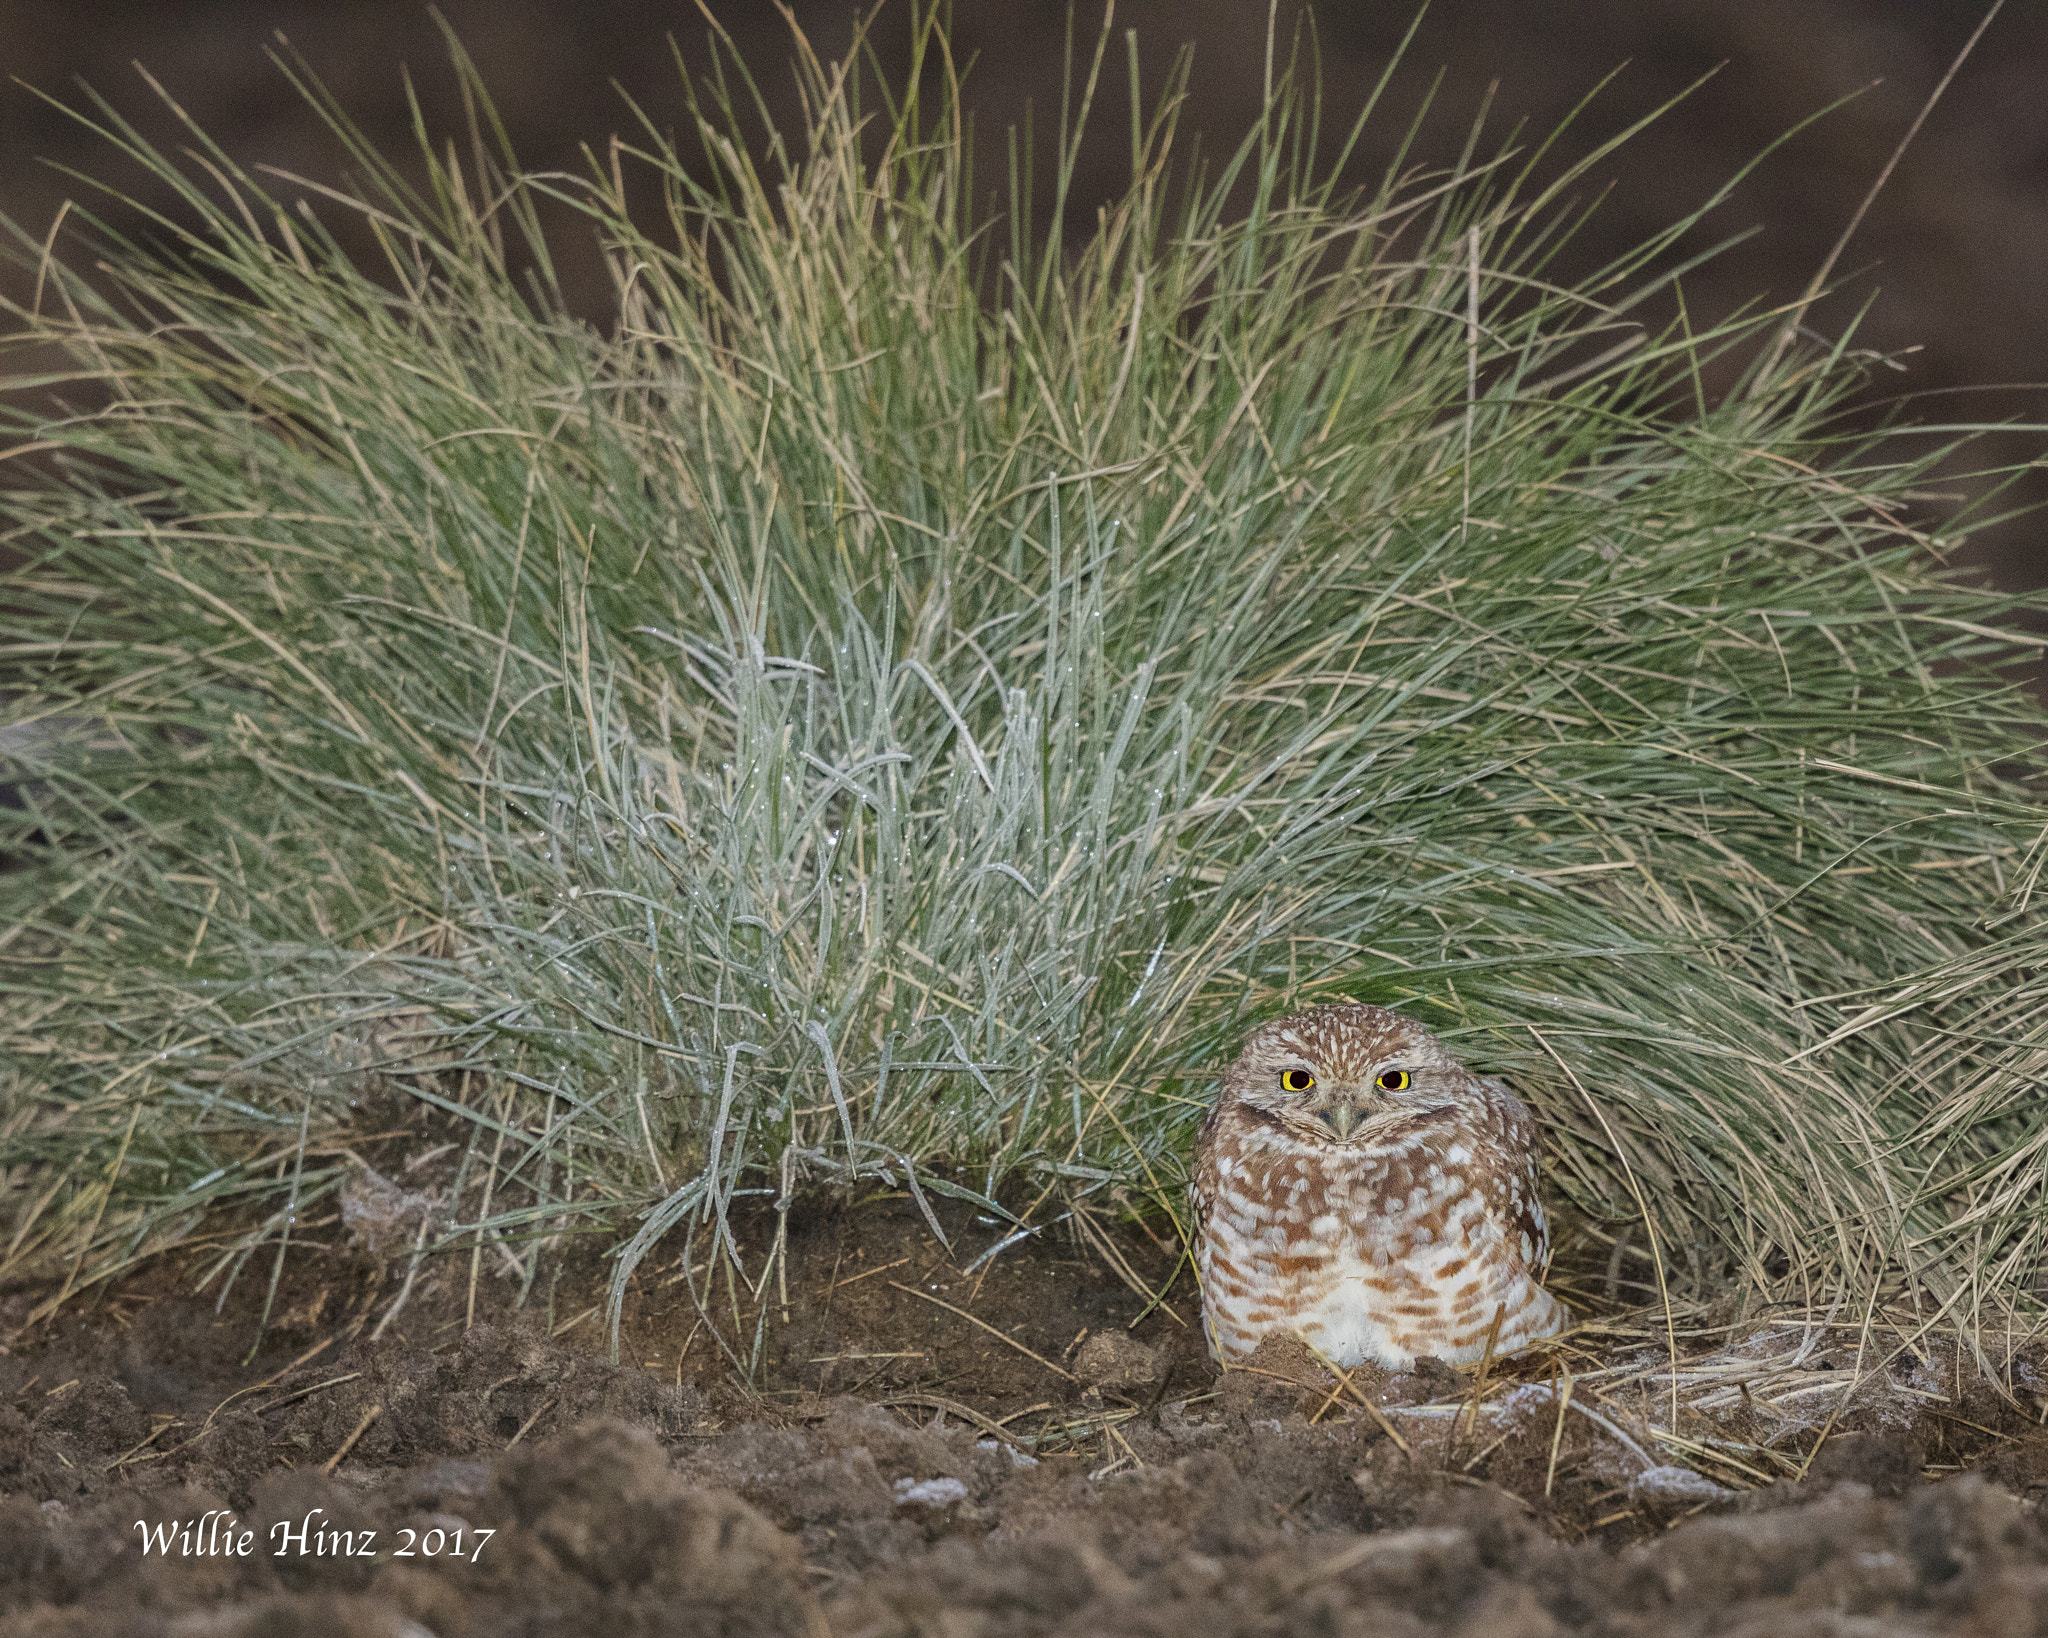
{"x":1564,"y":1398}
{"x":966,"y":1413}
{"x":1344,"y":1384}
{"x":1500,"y":1312}
{"x":990,"y":1329}
{"x":313,"y":1352}
{"x":362,"y":1427}
{"x":526,"y":1426}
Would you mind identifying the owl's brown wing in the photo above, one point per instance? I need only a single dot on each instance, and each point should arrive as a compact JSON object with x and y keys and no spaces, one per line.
{"x":1530,"y":1219}
{"x":1202,"y":1176}
{"x":1522,"y":1150}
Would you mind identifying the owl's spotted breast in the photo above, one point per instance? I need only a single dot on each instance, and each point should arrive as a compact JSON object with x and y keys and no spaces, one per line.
{"x":1358,"y":1185}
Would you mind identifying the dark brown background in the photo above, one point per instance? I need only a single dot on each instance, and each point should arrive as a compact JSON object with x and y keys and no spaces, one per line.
{"x":1954,"y":253}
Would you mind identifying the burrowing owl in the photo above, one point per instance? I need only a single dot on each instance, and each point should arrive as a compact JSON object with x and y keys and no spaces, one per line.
{"x":1359,"y":1185}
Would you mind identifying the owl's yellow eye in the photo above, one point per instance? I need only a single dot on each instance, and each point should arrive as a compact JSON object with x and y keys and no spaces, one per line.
{"x":1393,"y":1080}
{"x":1297,"y":1080}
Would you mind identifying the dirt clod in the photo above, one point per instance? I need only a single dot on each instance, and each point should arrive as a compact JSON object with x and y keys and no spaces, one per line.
{"x":1116,"y":1360}
{"x":1888,"y":1461}
{"x":381,"y":1218}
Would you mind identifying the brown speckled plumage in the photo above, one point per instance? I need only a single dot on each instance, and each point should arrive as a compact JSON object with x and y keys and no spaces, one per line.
{"x":1380,"y":1224}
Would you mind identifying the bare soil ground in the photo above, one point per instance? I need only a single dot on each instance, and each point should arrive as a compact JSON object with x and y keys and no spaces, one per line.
{"x":924,"y":1444}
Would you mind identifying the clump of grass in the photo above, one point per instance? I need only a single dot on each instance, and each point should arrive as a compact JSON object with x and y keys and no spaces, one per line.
{"x":897,"y":704}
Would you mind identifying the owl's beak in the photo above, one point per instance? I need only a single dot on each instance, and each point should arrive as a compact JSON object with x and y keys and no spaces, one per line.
{"x":1342,"y":1118}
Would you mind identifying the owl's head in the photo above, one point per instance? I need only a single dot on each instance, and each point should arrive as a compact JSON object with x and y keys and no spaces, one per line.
{"x":1341,"y":1074}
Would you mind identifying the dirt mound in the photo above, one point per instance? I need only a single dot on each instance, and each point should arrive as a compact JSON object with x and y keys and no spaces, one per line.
{"x":389,"y":1402}
{"x":593,"y":1532}
{"x":852,"y":1521}
{"x":1961,"y":1557}
{"x":927,"y":1450}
